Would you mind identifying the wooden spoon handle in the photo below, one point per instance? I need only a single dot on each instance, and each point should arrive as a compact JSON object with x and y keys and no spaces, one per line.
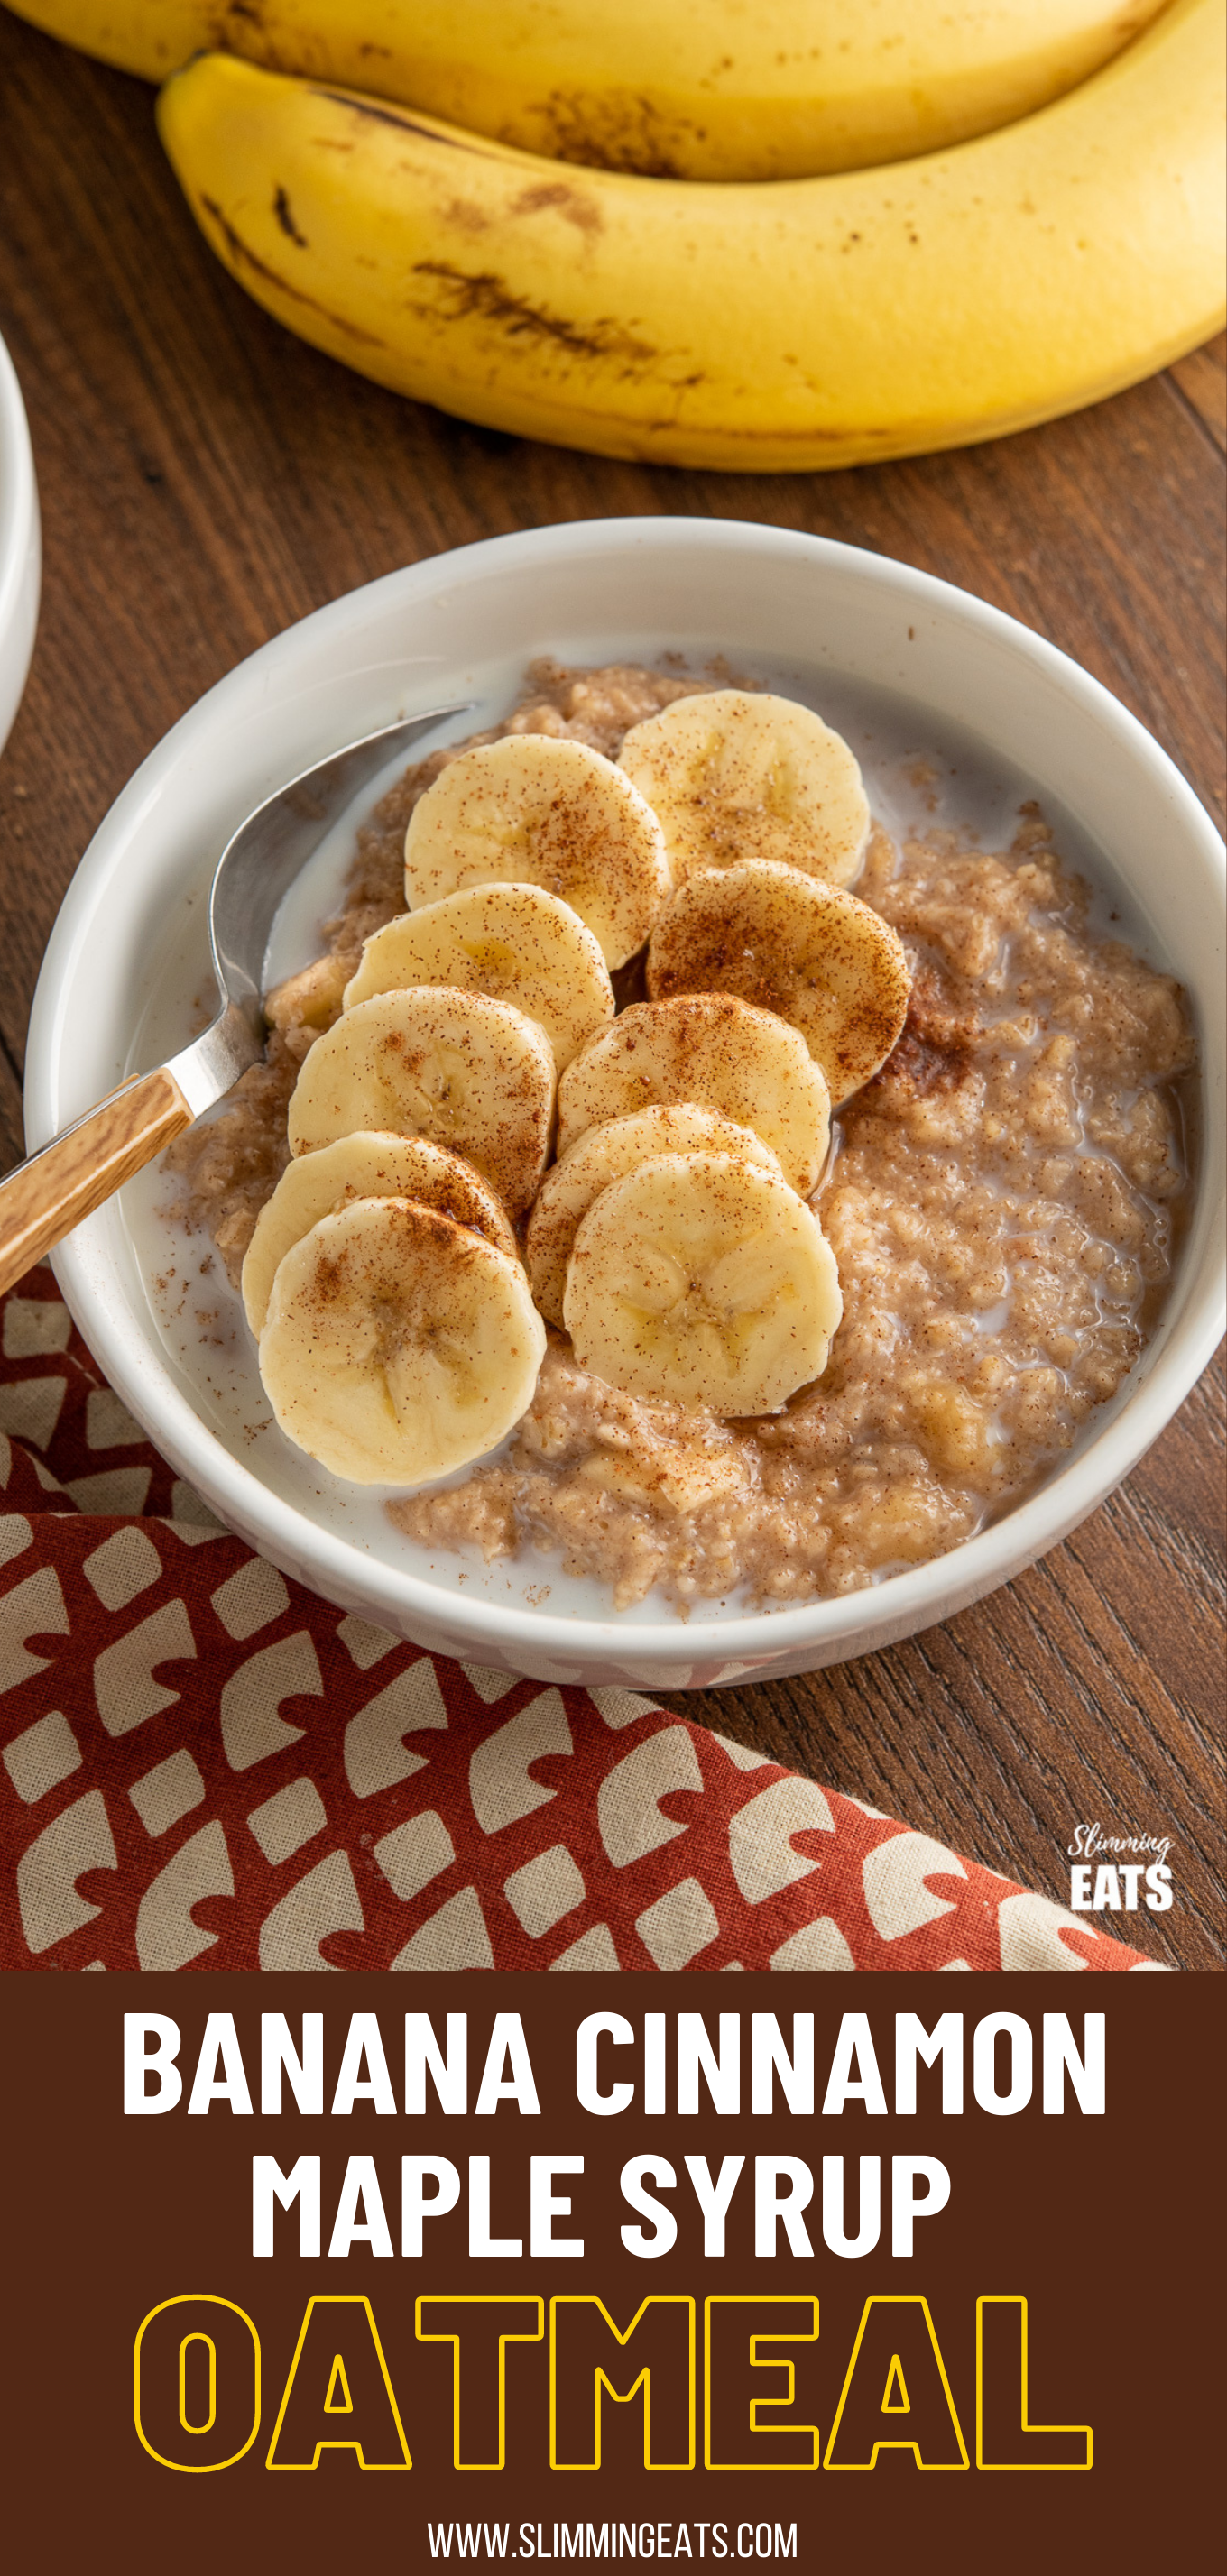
{"x":77,"y":1172}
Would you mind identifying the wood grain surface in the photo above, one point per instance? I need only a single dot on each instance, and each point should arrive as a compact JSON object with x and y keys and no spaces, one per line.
{"x":206,"y":479}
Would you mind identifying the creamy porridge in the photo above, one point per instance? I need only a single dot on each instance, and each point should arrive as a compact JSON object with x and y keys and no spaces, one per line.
{"x":1000,"y":1200}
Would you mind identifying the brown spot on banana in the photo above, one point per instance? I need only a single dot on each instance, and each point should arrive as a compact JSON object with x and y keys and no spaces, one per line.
{"x":467,"y":217}
{"x":490,"y":298}
{"x":614,"y":131}
{"x":242,"y":256}
{"x":568,"y":201}
{"x":285,"y":217}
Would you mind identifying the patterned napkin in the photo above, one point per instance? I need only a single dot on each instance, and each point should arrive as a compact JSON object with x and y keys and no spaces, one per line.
{"x":203,"y":1765}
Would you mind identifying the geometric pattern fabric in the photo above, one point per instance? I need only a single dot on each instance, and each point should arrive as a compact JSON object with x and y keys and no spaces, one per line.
{"x":203,"y":1765}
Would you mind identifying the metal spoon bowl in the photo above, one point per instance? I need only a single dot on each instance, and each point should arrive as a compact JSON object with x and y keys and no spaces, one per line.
{"x":43,"y":1199}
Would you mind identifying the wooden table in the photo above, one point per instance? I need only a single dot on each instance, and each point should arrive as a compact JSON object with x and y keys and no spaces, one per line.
{"x":206,"y":479}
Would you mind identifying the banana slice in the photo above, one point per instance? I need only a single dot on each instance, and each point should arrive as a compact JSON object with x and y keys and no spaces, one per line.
{"x":515,"y":942}
{"x":602,"y":1156}
{"x":700,"y":1280}
{"x":398,"y":1345}
{"x":734,"y":775}
{"x":710,"y":1048}
{"x":538,"y":810}
{"x":365,"y":1167}
{"x":809,"y":951}
{"x":470,"y":1073}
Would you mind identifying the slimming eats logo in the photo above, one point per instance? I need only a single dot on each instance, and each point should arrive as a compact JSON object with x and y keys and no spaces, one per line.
{"x":1118,"y":1873}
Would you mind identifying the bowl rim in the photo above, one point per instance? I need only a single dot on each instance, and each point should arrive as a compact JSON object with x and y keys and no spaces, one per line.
{"x":19,"y":526}
{"x":341,"y":1568}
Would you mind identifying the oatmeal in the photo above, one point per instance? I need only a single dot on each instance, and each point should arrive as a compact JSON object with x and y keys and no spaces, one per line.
{"x":1000,"y":1201}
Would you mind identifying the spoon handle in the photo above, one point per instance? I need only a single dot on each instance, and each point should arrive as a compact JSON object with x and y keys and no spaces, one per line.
{"x":78,"y":1171}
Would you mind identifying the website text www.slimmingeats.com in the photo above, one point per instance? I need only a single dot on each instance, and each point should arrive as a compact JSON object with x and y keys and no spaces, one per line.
{"x":612,"y":2540}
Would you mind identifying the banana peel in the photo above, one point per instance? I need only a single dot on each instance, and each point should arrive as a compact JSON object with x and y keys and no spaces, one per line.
{"x":778,"y":90}
{"x":794,"y":325}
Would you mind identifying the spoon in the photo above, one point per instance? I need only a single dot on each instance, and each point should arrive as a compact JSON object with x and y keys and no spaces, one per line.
{"x":44,"y":1198}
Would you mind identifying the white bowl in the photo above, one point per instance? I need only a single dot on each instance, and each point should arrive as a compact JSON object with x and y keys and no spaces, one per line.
{"x":911,"y":659}
{"x":19,"y":546}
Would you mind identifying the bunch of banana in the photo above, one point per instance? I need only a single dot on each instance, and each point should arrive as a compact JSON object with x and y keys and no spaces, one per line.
{"x":727,"y":320}
{"x":777,"y":91}
{"x":672,"y":1239}
{"x":810,"y":322}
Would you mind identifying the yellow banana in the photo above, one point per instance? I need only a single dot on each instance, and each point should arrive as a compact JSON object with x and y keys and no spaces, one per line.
{"x":805,"y":323}
{"x":717,"y":89}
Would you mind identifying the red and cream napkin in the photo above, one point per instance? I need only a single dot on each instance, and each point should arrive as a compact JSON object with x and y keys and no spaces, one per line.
{"x":203,"y":1765}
